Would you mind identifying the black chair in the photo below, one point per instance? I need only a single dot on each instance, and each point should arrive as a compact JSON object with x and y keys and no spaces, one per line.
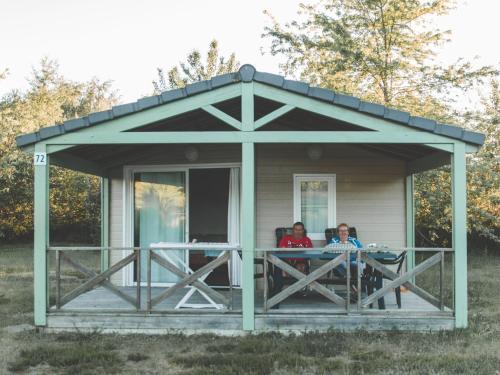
{"x":281,"y":232}
{"x":399,"y":260}
{"x":332,"y":232}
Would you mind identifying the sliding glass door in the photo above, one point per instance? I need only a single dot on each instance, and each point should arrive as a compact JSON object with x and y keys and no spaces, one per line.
{"x":159,"y":216}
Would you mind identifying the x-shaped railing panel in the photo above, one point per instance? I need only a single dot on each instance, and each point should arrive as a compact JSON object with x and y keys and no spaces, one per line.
{"x":403,"y":280}
{"x":305,"y":280}
{"x":95,"y":280}
{"x":189,"y":279}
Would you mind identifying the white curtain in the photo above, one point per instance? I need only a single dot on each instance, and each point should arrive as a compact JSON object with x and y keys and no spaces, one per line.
{"x":314,"y":205}
{"x":160,"y":216}
{"x":233,"y":223}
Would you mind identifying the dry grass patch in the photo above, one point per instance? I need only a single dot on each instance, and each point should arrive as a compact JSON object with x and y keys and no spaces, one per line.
{"x":473,"y":350}
{"x":76,"y":358}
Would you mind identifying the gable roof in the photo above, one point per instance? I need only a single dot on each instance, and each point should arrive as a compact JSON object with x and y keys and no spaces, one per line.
{"x":247,"y":73}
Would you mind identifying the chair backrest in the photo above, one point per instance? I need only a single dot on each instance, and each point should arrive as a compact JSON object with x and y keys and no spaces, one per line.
{"x":282,"y":231}
{"x":332,"y":232}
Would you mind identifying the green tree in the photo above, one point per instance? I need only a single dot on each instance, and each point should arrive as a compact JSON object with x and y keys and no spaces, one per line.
{"x":483,"y":174}
{"x":380,"y":50}
{"x":385,"y":51}
{"x":49,"y":99}
{"x":194,"y":69}
{"x":433,"y":193}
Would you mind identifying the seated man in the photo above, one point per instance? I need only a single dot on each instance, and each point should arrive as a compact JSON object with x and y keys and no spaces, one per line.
{"x":344,"y":241}
{"x":297,"y":239}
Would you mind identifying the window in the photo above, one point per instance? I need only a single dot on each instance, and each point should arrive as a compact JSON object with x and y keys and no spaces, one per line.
{"x":314,"y":203}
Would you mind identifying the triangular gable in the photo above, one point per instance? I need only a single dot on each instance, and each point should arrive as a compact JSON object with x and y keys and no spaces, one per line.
{"x":294,"y":95}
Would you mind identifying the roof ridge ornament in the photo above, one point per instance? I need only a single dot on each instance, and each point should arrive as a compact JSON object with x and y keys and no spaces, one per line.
{"x":247,"y":72}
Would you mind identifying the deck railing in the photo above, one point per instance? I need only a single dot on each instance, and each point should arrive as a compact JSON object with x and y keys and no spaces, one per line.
{"x":368,"y":287}
{"x":159,"y":255}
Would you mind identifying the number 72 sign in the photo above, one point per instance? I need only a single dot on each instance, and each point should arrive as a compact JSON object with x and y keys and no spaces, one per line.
{"x":40,"y":158}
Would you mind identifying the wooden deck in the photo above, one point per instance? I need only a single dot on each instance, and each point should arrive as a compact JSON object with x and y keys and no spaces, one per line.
{"x":102,"y":310}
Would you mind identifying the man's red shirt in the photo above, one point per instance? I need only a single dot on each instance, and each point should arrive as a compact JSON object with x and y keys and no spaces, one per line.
{"x":289,"y":241}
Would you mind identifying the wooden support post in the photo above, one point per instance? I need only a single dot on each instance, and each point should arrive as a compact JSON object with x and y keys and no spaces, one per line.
{"x":348,"y":282}
{"x":358,"y":272}
{"x":138,"y":278}
{"x":266,"y":283}
{"x":248,"y":233}
{"x":459,"y":232}
{"x":410,"y":222}
{"x":41,"y":237}
{"x":104,"y":223}
{"x":230,"y":279}
{"x":248,"y":208}
{"x":441,"y":283}
{"x":149,"y":280}
{"x":58,"y":280}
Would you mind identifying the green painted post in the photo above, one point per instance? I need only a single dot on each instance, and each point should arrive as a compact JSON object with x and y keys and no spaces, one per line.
{"x":247,"y":107}
{"x":104,"y":223}
{"x":248,"y":232}
{"x":459,"y":235}
{"x":41,"y":236}
{"x":248,"y":208}
{"x":410,"y":222}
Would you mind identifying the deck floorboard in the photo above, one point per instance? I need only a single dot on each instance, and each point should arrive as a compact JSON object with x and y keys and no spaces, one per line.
{"x":99,"y":309}
{"x":102,"y":299}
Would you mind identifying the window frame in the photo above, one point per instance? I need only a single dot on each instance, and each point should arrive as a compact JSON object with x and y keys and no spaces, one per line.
{"x":330,"y":178}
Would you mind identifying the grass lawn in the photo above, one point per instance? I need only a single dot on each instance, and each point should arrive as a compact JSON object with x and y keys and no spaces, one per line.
{"x":474,"y":350}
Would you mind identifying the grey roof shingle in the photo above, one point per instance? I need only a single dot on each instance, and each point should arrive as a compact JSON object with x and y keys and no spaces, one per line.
{"x":247,"y":73}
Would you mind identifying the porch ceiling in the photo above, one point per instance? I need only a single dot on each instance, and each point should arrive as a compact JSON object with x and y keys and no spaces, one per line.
{"x":107,"y":157}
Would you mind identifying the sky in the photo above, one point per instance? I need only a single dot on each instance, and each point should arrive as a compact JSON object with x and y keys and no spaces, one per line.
{"x":125,"y":41}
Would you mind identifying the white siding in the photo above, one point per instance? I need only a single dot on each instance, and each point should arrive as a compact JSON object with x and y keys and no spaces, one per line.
{"x":370,"y":189}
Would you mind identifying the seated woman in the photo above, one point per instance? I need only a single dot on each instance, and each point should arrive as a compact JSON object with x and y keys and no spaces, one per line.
{"x":297,"y":239}
{"x":344,"y":241}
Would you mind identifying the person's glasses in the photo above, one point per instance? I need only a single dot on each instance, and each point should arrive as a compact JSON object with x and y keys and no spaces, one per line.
{"x":344,"y":230}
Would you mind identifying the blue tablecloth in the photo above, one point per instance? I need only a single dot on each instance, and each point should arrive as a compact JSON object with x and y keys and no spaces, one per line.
{"x":319,"y":254}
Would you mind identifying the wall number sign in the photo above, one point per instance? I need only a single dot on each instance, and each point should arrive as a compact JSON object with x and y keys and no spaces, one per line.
{"x":40,"y":158}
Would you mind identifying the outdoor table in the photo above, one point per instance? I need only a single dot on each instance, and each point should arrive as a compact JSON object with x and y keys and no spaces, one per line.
{"x":211,"y":249}
{"x":330,"y":254}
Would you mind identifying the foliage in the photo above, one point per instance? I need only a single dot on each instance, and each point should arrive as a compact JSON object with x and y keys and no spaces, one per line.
{"x":194,"y":70}
{"x":74,"y":197}
{"x":384,"y":51}
{"x":3,"y":73}
{"x":381,"y":50}
{"x":433,"y":193}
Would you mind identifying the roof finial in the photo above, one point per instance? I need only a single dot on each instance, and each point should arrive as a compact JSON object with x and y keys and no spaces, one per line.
{"x":246,"y":72}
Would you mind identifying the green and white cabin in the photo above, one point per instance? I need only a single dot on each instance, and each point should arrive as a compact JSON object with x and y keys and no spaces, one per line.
{"x":225,"y":162}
